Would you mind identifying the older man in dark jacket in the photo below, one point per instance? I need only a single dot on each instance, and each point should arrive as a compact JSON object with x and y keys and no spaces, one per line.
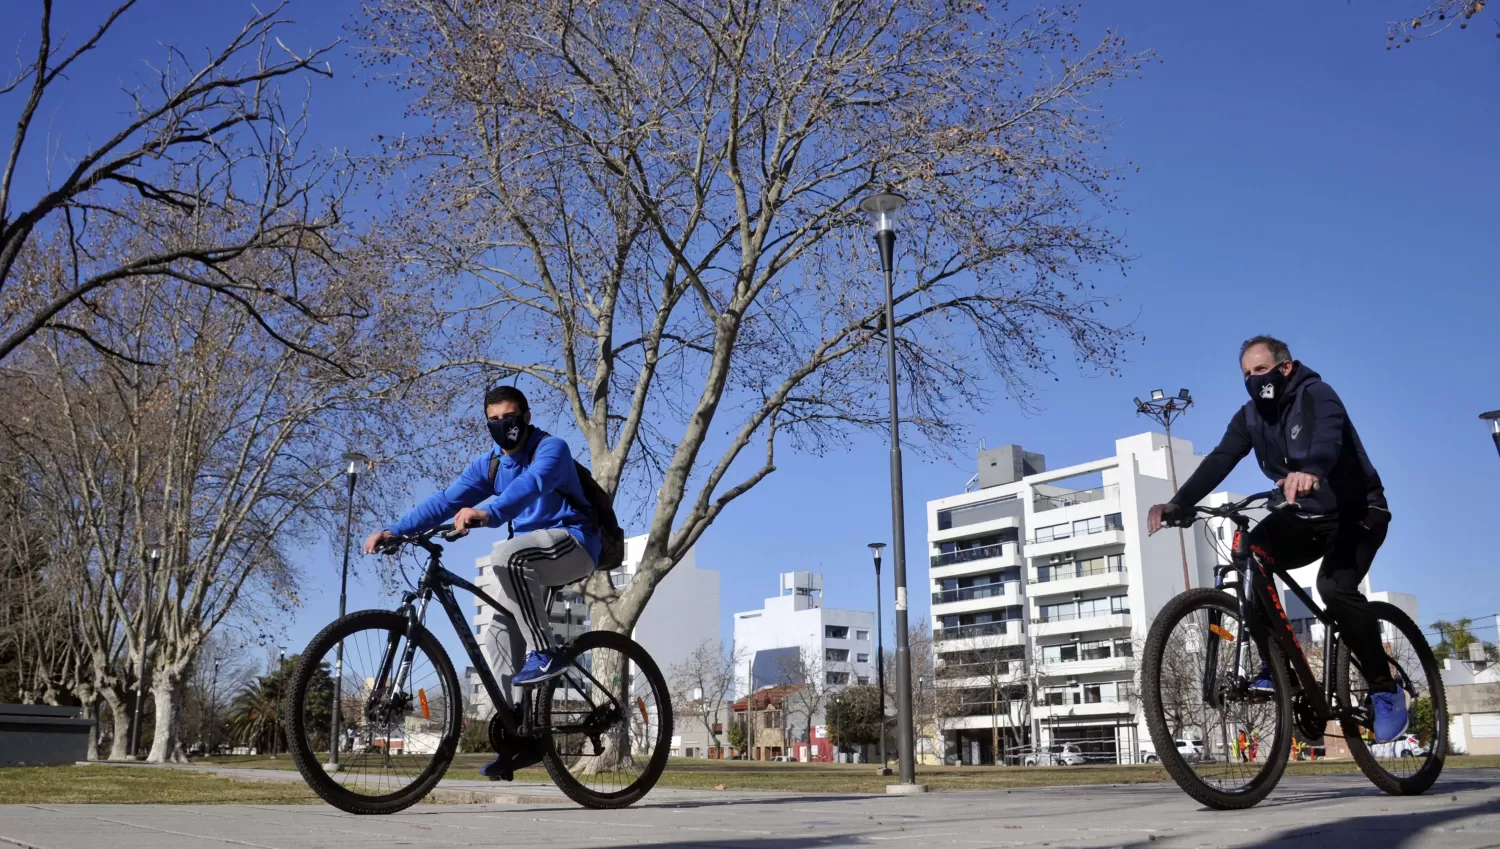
{"x":1305,"y":442}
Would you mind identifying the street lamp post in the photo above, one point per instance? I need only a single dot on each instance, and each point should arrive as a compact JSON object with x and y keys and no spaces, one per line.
{"x":885,"y":764}
{"x":1492,"y":420}
{"x":213,"y":709}
{"x":882,"y":209}
{"x":153,"y":557}
{"x":280,"y":682}
{"x":1164,"y":411}
{"x":356,"y":461}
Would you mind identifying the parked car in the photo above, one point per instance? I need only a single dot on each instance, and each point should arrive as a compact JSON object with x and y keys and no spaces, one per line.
{"x":1192,"y":751}
{"x":1405,"y":746}
{"x":1061,"y":754}
{"x":783,"y":759}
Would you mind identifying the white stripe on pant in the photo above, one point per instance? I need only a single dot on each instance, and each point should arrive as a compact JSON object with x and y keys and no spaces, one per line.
{"x":525,"y":566}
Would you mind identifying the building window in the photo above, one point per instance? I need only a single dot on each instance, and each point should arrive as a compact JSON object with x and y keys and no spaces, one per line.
{"x":1052,"y":532}
{"x":1119,"y":604}
{"x":864,"y":680}
{"x":836,"y":632}
{"x":862,"y":635}
{"x":1088,"y":526}
{"x":619,"y":579}
{"x":1112,"y":522}
{"x":837,"y":678}
{"x":1053,"y":697}
{"x":1055,"y":612}
{"x":973,"y":514}
{"x":836,"y":655}
{"x":1116,"y":562}
{"x":862,"y":658}
{"x":1092,"y":695}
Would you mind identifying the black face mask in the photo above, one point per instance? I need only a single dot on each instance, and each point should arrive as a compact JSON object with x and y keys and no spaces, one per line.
{"x":508,"y":431}
{"x":1266,"y":389}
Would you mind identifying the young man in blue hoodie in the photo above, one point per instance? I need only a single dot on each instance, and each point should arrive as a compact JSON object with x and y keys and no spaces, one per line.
{"x":1304,"y":440}
{"x":533,"y":486}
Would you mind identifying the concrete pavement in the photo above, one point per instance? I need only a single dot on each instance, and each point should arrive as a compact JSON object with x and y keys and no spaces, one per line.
{"x":1462,"y":812}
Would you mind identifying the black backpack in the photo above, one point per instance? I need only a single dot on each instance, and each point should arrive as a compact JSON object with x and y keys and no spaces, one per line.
{"x":600,"y":508}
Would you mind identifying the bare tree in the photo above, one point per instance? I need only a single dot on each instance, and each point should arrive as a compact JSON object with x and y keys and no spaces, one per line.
{"x":702,"y":682}
{"x":658,"y":205}
{"x":810,"y":681}
{"x":201,"y":142}
{"x":198,"y":435}
{"x":1437,"y":17}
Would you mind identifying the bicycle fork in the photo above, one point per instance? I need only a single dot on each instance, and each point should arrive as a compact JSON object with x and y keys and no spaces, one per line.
{"x":403,"y":671}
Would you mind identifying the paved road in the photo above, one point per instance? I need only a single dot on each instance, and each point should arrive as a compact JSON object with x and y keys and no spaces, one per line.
{"x":1336,"y":811}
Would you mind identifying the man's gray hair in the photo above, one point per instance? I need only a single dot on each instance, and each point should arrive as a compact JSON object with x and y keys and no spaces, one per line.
{"x":1279,"y":351}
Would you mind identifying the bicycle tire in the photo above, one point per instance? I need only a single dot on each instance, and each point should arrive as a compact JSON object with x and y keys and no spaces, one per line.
{"x":1422,"y":780}
{"x":306,"y":760}
{"x":1156,"y":720}
{"x":553,"y":760}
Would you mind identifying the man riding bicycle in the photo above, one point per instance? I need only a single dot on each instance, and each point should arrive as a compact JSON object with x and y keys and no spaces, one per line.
{"x":535,"y":488}
{"x":1304,"y":440}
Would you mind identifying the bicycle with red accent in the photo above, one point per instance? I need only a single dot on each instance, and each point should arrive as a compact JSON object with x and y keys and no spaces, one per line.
{"x":1199,"y":671}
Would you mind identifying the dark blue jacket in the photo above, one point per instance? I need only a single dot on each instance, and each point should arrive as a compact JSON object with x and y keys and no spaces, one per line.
{"x":529,"y":490}
{"x":1308,"y":431}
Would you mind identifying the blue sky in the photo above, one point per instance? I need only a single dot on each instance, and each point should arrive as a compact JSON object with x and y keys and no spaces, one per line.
{"x":1296,"y":178}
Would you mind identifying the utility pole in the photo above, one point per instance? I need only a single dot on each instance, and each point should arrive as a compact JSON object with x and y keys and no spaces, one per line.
{"x":153,"y":558}
{"x":1164,"y":411}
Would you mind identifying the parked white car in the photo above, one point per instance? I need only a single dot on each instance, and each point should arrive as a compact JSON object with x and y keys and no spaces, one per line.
{"x":1192,"y":751}
{"x":1405,"y":746}
{"x":1061,"y":754}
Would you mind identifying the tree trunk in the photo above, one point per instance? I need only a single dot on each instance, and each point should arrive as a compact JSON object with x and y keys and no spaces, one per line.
{"x":119,"y":714}
{"x":89,"y":698}
{"x":167,"y":687}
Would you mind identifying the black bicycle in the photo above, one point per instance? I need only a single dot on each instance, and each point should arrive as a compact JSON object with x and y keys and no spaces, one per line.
{"x":602,"y":728}
{"x":1198,"y":681}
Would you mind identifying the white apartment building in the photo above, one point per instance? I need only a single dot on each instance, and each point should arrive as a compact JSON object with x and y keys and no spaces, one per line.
{"x":1044,"y":582}
{"x":794,"y":635}
{"x":682,"y":614}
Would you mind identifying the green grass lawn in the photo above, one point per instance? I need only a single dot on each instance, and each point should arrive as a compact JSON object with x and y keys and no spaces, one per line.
{"x":137,"y":785}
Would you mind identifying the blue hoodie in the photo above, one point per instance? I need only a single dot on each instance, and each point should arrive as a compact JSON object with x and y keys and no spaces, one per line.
{"x":528,"y":491}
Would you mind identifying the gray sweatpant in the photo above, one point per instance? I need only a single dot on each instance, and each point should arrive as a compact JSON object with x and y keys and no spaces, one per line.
{"x":525,"y":567}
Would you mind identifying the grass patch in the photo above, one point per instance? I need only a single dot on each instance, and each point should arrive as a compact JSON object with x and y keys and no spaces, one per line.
{"x":115,"y":785}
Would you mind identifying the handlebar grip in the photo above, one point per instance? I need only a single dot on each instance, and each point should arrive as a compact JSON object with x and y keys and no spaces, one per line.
{"x":389,"y":545}
{"x":452,"y":535}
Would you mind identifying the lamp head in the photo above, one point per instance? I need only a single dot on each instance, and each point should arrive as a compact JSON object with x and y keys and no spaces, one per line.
{"x":1157,"y":395}
{"x":875,"y":548}
{"x":356,"y":462}
{"x":1492,"y":420}
{"x":882,"y":209}
{"x":1184,"y":395}
{"x":154,"y":552}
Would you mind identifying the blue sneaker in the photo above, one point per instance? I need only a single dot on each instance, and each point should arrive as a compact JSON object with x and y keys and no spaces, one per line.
{"x":504,"y":767}
{"x":1262,"y":680}
{"x":1390,"y":715}
{"x":539,"y":666}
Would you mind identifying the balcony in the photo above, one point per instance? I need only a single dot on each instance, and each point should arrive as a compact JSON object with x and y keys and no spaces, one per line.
{"x":984,"y":629}
{"x":1086,"y":666}
{"x":1090,"y":579}
{"x":1080,"y":710}
{"x":969,"y":555}
{"x":1059,"y":626}
{"x":1042,"y":503}
{"x":1058,"y":544}
{"x":1005,"y":556}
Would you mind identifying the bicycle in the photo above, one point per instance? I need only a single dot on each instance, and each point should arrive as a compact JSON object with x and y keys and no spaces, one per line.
{"x":1188,"y":692}
{"x":602,"y":737}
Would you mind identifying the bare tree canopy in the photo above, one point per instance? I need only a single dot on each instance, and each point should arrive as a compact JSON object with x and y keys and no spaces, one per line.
{"x":1438,"y":17}
{"x":650,"y":209}
{"x":208,"y":142}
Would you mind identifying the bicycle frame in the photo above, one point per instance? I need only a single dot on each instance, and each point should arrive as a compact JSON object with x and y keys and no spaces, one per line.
{"x":438,"y":581}
{"x":1250,"y":564}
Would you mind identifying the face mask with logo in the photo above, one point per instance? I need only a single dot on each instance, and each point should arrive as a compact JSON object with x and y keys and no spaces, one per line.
{"x":507,"y":431}
{"x":1266,"y":389}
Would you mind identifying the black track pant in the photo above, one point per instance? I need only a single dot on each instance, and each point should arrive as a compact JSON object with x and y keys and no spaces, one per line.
{"x":1347,"y":546}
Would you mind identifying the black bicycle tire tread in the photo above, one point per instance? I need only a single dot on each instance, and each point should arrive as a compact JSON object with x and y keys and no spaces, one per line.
{"x":306,"y":761}
{"x":565,"y":780}
{"x":1422,"y":781}
{"x":1161,"y":737}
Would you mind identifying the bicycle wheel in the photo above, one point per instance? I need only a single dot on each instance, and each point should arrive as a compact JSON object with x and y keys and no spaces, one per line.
{"x":402,"y":742}
{"x":1193,"y":639}
{"x":606,"y":723}
{"x":1401,"y":767}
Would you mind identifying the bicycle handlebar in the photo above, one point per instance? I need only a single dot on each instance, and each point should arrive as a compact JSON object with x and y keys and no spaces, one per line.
{"x":1275,"y":499}
{"x":392,"y":544}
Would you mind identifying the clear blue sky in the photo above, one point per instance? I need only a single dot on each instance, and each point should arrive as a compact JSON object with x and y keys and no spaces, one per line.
{"x":1295,"y":178}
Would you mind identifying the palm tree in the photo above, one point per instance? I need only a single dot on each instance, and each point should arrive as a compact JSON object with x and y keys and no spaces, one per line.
{"x":1456,"y":637}
{"x":253,"y":719}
